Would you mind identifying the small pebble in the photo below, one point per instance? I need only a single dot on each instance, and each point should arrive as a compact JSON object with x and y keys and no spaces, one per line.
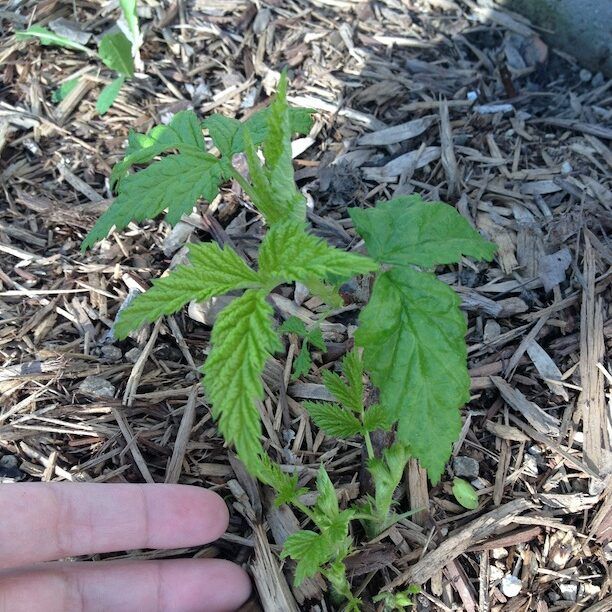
{"x":566,"y":168}
{"x":492,"y":330}
{"x":511,"y":586}
{"x":465,"y":466}
{"x":585,"y":75}
{"x":97,"y":387}
{"x":133,"y":354}
{"x":499,"y":553}
{"x":496,"y":573}
{"x":111,"y":353}
{"x":569,"y":590}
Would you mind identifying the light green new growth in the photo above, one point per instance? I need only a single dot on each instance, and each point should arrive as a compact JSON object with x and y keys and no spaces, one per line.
{"x":314,"y":337}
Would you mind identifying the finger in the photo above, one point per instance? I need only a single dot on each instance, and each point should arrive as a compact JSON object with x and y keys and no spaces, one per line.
{"x":179,"y":585}
{"x":46,"y":521}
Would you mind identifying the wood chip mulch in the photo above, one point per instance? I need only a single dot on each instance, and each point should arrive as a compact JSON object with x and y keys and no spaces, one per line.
{"x":456,"y":100}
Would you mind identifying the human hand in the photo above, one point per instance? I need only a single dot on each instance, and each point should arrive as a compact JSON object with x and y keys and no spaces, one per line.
{"x":47,"y":521}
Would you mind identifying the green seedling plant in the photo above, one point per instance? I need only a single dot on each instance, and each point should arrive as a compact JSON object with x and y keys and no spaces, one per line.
{"x":116,"y":50}
{"x":409,"y":342}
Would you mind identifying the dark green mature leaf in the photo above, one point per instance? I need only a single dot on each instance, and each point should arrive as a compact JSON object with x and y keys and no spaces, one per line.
{"x":182,"y":133}
{"x":213,"y":271}
{"x":311,"y":550}
{"x":274,"y":192}
{"x":242,"y":340}
{"x":333,"y":419}
{"x":412,"y":333}
{"x":408,"y":231}
{"x":47,"y":37}
{"x":174,"y":183}
{"x":288,"y":253}
{"x":115,"y":51}
{"x":109,"y":94}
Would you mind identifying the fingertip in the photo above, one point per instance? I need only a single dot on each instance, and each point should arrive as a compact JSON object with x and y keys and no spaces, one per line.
{"x":233,"y":586}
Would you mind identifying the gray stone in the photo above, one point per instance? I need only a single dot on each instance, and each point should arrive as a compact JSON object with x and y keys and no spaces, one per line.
{"x":465,"y":466}
{"x":579,"y":27}
{"x":133,"y":354}
{"x":111,"y":353}
{"x":97,"y":387}
{"x":569,"y":590}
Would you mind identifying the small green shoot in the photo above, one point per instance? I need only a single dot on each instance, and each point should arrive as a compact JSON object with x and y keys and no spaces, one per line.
{"x":313,"y":337}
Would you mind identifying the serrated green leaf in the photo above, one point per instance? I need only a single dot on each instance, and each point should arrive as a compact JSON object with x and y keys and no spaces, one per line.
{"x":294,"y":325}
{"x":223,"y":131}
{"x":285,"y":485}
{"x":182,"y":133}
{"x":310,"y":549}
{"x":115,"y":51}
{"x":213,"y":271}
{"x":465,"y":494}
{"x":64,"y":89}
{"x":408,"y":231}
{"x":315,"y":337}
{"x":340,"y":390}
{"x":413,"y":336}
{"x":228,"y":133}
{"x":242,"y":340}
{"x":333,"y":419}
{"x":327,"y":502}
{"x":288,"y":254}
{"x":302,"y":363}
{"x":108,"y":95}
{"x":376,"y":417}
{"x":175,"y":183}
{"x":274,"y":192}
{"x":47,"y":37}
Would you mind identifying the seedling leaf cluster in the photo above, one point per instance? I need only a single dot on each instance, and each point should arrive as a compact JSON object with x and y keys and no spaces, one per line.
{"x":117,"y":50}
{"x":409,"y":342}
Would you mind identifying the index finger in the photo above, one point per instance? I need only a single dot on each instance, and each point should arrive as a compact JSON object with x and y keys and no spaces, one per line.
{"x":47,"y":521}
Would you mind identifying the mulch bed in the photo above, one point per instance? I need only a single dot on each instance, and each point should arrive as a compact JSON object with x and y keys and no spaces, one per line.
{"x":455,"y":100}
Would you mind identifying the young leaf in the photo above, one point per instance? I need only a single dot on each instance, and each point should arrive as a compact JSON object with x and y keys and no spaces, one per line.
{"x":285,"y":485}
{"x":341,"y":391}
{"x":352,"y":367}
{"x":333,"y":419}
{"x":175,"y":182}
{"x":213,"y":271}
{"x":302,"y":363}
{"x":315,"y":337}
{"x":109,"y":94}
{"x":242,"y":341}
{"x":64,"y":89}
{"x":310,"y":549}
{"x":408,"y":231}
{"x":115,"y":51}
{"x":412,"y":333}
{"x":228,"y":133}
{"x":377,"y":417}
{"x":294,"y":325}
{"x":465,"y":494}
{"x":47,"y":37}
{"x":288,"y":254}
{"x":128,"y":9}
{"x":327,"y":502}
{"x":275,"y":193}
{"x":182,"y":133}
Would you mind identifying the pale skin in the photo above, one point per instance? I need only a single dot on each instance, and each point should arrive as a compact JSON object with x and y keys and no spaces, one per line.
{"x":43,"y":522}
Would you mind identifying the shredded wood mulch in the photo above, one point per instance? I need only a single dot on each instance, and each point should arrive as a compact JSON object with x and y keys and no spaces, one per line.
{"x":452,"y":99}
